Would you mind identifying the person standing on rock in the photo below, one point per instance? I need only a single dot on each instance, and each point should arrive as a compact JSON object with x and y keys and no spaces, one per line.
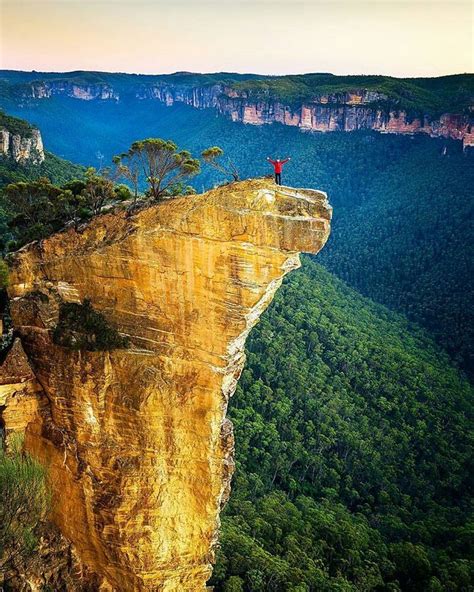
{"x":278,"y":166}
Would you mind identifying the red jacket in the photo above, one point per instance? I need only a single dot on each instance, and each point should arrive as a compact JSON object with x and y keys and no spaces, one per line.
{"x":278,"y":164}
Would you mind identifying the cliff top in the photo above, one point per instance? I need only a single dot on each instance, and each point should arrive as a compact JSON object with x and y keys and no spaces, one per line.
{"x":253,"y":212}
{"x":15,"y":126}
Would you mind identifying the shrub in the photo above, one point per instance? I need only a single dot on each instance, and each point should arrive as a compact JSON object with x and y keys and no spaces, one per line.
{"x":80,"y":327}
{"x":24,"y":502}
{"x":3,"y":275}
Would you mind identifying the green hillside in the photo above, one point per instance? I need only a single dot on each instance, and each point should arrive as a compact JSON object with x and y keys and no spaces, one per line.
{"x":56,"y":169}
{"x":409,"y":243}
{"x":353,"y":452}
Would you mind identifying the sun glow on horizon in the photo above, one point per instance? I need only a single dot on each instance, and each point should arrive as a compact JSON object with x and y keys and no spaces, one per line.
{"x":397,"y":38}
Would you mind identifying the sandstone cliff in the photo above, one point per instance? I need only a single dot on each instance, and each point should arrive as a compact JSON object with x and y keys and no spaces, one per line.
{"x":137,"y":445}
{"x":75,"y":90}
{"x":22,"y":148}
{"x":20,"y":392}
{"x":328,"y":112}
{"x":359,"y":108}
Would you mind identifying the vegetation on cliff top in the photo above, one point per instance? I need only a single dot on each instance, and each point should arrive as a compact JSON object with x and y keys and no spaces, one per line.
{"x":155,"y":168}
{"x":453,"y":94}
{"x":14,"y":125}
{"x":159,"y":164}
{"x":353,"y":451}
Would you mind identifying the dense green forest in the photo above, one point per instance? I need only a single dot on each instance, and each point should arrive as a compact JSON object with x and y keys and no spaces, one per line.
{"x":410,"y":244}
{"x":56,"y":169}
{"x":353,"y":450}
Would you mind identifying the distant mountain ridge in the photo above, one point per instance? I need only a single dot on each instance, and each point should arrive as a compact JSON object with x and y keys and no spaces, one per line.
{"x":439,"y":107}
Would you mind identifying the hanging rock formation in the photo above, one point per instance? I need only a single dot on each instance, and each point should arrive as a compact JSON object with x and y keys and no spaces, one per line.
{"x":137,"y":445}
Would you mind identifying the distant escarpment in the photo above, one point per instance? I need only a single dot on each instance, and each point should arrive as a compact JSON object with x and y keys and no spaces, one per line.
{"x":134,"y":328}
{"x":329,"y":112}
{"x":75,"y":90}
{"x":19,"y":141}
{"x":438,"y":107}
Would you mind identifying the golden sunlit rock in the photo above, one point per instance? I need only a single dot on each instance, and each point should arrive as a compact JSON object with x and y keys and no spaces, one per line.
{"x":137,"y":445}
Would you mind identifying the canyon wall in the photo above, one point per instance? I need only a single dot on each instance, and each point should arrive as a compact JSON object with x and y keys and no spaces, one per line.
{"x":22,"y":148}
{"x":326,"y":112}
{"x":136,"y":441}
{"x":344,"y":111}
{"x":83,"y":91}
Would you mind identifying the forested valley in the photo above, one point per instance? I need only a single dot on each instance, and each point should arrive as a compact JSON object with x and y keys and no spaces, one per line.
{"x":353,"y":415}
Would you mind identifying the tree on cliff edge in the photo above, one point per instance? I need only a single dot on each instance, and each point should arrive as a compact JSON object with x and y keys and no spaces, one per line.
{"x":159,"y":163}
{"x":213,"y":157}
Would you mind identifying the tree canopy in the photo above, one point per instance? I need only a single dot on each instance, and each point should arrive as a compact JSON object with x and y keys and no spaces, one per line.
{"x":158,"y":163}
{"x":213,"y":157}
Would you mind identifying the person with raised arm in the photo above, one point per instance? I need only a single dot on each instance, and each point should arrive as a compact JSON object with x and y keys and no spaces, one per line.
{"x":278,"y":167}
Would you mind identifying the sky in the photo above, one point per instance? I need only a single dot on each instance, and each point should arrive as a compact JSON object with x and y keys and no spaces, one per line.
{"x":393,"y":37}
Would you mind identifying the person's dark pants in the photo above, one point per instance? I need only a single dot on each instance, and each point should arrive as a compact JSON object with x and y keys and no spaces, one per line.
{"x":278,"y":178}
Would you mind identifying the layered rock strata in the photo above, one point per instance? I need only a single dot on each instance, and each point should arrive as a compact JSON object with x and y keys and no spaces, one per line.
{"x":136,"y":441}
{"x":358,"y":109}
{"x":20,"y":393}
{"x":22,"y":149}
{"x":85,"y":92}
{"x":345,"y":111}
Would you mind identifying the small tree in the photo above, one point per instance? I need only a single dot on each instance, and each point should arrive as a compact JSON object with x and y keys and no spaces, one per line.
{"x":75,"y":186}
{"x":123,"y":193}
{"x":24,"y":501}
{"x":161,"y":165}
{"x":98,"y":191}
{"x":129,"y":167}
{"x":213,"y":156}
{"x":35,"y":208}
{"x":3,"y":275}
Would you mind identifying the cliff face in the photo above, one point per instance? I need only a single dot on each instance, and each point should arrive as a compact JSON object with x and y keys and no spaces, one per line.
{"x":22,"y":149}
{"x":360,"y":109}
{"x":20,"y":392}
{"x":138,"y":448}
{"x":325,"y":112}
{"x":85,"y":92}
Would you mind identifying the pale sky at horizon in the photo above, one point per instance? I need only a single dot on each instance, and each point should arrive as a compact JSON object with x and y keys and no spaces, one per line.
{"x":393,"y":37}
